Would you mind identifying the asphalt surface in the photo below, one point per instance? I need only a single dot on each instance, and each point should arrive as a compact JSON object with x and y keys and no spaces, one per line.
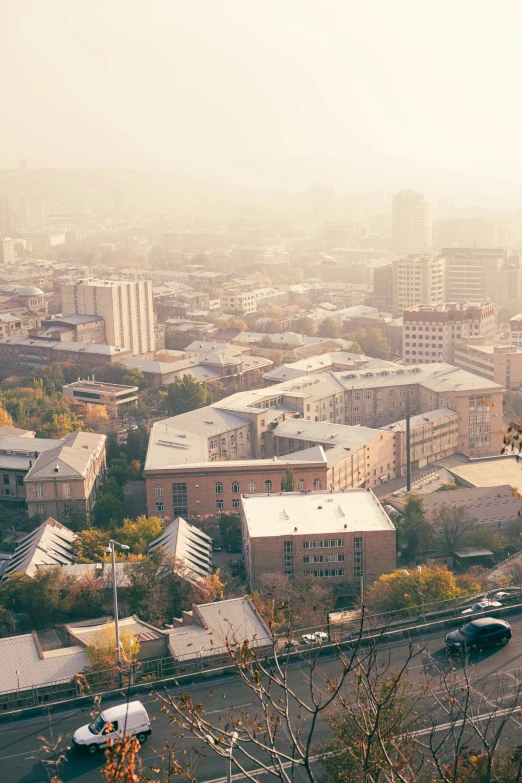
{"x":224,"y":697}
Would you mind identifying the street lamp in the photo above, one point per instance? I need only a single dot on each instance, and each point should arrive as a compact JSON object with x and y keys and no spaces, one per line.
{"x":227,"y":751}
{"x":110,"y":551}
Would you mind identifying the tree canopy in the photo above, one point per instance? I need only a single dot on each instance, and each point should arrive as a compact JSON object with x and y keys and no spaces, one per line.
{"x":186,"y":394}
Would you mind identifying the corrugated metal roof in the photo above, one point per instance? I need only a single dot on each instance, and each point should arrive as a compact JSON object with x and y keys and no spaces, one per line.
{"x":85,"y":634}
{"x":189,"y":544}
{"x":18,"y":654}
{"x":225,"y":622}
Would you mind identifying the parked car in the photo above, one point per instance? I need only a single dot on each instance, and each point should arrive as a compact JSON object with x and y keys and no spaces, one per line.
{"x":290,"y":644}
{"x":482,"y":632}
{"x":234,"y":550}
{"x":216,"y":546}
{"x":111,"y":724}
{"x":488,"y":603}
{"x":318,"y":637}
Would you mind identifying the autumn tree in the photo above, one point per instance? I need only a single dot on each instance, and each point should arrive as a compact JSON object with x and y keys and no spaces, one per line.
{"x":5,"y":418}
{"x":137,"y":534}
{"x":407,"y":589}
{"x":292,"y":604}
{"x":101,"y":652}
{"x":95,"y":416}
{"x":329,"y":328}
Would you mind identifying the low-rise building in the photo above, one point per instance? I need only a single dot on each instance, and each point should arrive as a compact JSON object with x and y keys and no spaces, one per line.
{"x":17,"y":456}
{"x":152,"y":641}
{"x":74,"y":328}
{"x":337,"y":537}
{"x":205,"y":634}
{"x":356,"y":456}
{"x":67,"y":477}
{"x":20,"y":355}
{"x":115,"y":397}
{"x":499,"y":363}
{"x":433,"y":436}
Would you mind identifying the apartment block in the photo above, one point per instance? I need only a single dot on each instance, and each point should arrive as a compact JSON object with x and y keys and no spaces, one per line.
{"x":430,"y":333}
{"x":19,"y":355}
{"x":473,"y":274}
{"x":515,"y":326}
{"x":7,"y":252}
{"x":125,"y":306}
{"x":499,"y":363}
{"x":238,"y":299}
{"x":336,"y":537}
{"x":417,"y":280}
{"x":67,"y":477}
{"x":411,"y":223}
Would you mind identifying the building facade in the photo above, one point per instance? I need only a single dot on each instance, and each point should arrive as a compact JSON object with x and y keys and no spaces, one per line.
{"x":417,"y":280}
{"x":67,"y":478}
{"x":473,"y":274}
{"x":125,"y":306}
{"x":411,"y":223}
{"x":430,"y":333}
{"x":19,"y":355}
{"x":499,"y":363}
{"x":340,"y":538}
{"x":433,"y":436}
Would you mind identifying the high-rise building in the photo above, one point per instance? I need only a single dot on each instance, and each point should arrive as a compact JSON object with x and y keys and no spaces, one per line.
{"x":417,"y":280}
{"x":473,"y":274}
{"x":7,"y":252}
{"x":6,"y":217}
{"x":411,"y":223}
{"x":125,"y":306}
{"x":429,"y":333}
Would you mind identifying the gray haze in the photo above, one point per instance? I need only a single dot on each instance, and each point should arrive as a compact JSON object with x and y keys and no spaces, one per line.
{"x":275,"y":92}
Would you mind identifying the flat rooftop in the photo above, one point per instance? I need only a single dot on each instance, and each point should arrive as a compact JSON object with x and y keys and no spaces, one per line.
{"x":309,"y":513}
{"x":489,"y":471}
{"x":99,"y":386}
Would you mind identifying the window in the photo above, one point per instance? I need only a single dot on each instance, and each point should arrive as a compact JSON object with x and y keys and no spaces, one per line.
{"x":326,"y":572}
{"x":357,"y":542}
{"x":235,"y":503}
{"x":158,"y":491}
{"x":357,"y":556}
{"x":323,"y":543}
{"x":220,"y":504}
{"x":323,"y":559}
{"x":159,"y":506}
{"x":180,"y":500}
{"x":219,"y":488}
{"x":40,"y":509}
{"x":288,"y":546}
{"x":6,"y":479}
{"x":223,"y":441}
{"x":357,"y":571}
{"x":300,"y":484}
{"x":268,"y":486}
{"x":317,"y":483}
{"x":251,"y":486}
{"x":235,"y":487}
{"x":213,"y":444}
{"x":262,"y":422}
{"x":39,"y":491}
{"x":67,"y":490}
{"x":19,"y":481}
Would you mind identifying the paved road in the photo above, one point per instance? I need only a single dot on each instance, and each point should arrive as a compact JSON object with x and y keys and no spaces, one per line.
{"x":19,"y":742}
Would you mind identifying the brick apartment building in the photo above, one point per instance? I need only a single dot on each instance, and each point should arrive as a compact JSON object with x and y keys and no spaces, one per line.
{"x":19,"y":355}
{"x":499,"y":363}
{"x":433,"y":436}
{"x":337,"y":537}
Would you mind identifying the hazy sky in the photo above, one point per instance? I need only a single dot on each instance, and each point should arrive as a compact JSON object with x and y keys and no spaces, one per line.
{"x":284,"y":92}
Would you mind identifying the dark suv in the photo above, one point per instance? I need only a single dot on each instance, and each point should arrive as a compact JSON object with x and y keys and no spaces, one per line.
{"x":483,"y":632}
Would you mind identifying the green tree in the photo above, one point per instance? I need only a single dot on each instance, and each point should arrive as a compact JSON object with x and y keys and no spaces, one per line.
{"x":137,"y":443}
{"x":176,"y":340}
{"x":329,"y":328}
{"x":414,"y":533}
{"x":186,"y":394}
{"x":266,"y":342}
{"x":373,"y":343}
{"x":113,"y":448}
{"x":288,"y":480}
{"x":229,"y":529}
{"x":108,"y":509}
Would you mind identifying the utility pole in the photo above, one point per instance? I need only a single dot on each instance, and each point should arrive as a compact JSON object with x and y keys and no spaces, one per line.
{"x":408,"y":451}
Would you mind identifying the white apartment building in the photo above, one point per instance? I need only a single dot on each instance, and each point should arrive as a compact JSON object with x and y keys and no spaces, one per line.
{"x":411,"y":223}
{"x":7,"y":252}
{"x":516,"y":330}
{"x":473,"y":274}
{"x":417,"y":280}
{"x":429,"y":332}
{"x":236,"y":299}
{"x":125,"y":306}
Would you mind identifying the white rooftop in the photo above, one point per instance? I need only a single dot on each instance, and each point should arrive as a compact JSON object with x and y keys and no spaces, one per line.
{"x":307,"y":513}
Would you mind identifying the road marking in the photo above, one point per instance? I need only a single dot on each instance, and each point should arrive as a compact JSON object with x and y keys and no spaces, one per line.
{"x":227,"y":709}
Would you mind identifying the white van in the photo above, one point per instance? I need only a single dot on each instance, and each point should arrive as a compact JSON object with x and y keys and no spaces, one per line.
{"x":115,"y":722}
